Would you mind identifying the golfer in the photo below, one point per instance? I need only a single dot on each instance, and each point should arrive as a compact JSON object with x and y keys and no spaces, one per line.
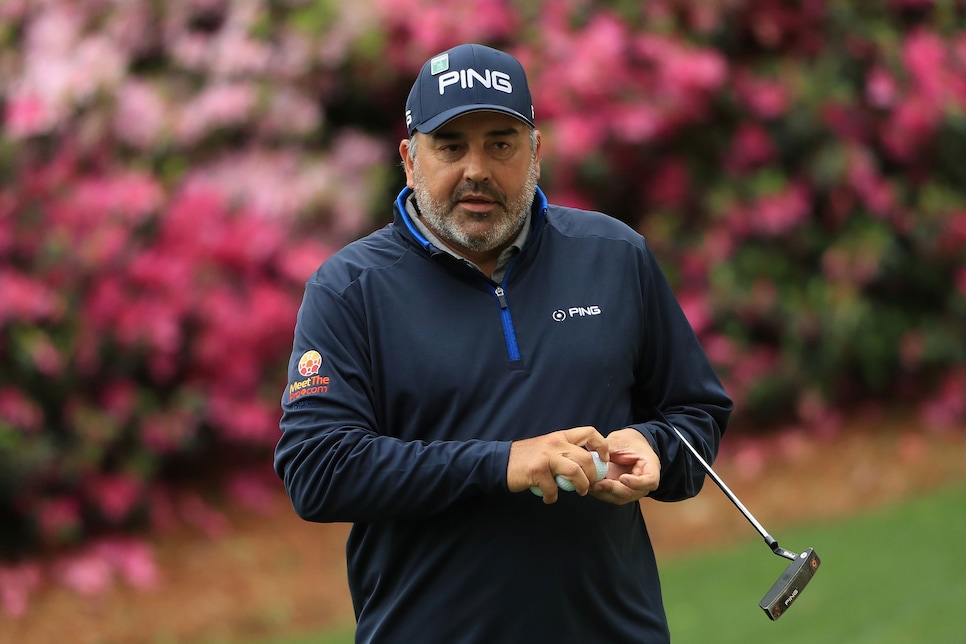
{"x":481,"y":344}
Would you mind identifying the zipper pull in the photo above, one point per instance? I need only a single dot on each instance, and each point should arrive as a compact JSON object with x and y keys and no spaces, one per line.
{"x":501,"y":295}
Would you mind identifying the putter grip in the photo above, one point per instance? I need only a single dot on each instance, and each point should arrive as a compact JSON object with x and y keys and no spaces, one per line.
{"x":565,"y":484}
{"x":789,"y":586}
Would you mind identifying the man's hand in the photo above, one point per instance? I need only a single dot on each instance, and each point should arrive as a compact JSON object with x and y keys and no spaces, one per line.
{"x":634,"y":472}
{"x":534,"y":462}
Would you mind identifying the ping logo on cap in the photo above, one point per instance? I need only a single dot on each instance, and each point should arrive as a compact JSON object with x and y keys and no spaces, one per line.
{"x":466,"y":78}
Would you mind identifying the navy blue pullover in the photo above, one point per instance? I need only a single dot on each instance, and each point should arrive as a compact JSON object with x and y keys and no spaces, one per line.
{"x":410,"y":376}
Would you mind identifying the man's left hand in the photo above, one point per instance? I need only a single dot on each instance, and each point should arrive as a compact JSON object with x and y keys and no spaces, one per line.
{"x":634,"y":471}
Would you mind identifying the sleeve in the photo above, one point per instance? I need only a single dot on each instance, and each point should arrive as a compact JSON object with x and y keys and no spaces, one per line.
{"x":336,"y":462}
{"x":676,"y":377}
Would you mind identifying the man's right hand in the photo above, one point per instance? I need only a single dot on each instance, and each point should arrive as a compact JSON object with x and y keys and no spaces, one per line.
{"x":534,"y":462}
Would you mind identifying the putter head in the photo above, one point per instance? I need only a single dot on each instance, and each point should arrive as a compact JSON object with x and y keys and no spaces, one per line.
{"x":790,"y":585}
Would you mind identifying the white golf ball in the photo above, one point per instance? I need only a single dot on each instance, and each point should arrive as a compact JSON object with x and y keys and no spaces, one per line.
{"x":567,"y":486}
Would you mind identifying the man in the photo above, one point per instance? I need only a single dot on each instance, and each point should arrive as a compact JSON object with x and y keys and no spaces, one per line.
{"x":480,"y":345}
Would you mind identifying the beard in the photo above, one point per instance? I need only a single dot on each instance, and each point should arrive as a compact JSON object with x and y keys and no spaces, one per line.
{"x":508,"y":216}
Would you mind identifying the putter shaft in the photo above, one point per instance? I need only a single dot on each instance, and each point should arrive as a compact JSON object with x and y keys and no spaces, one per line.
{"x":770,"y":540}
{"x":795,"y":576}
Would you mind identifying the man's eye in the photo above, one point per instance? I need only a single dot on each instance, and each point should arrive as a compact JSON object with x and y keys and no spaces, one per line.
{"x":501,"y":149}
{"x":451,"y":151}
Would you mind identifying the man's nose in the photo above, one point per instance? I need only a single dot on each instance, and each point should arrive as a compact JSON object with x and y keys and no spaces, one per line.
{"x":476,"y":165}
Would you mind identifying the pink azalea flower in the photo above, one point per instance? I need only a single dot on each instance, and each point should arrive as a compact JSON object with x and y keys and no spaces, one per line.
{"x":443,"y":25}
{"x":141,"y":115}
{"x":254,"y":490}
{"x":959,"y":49}
{"x":96,"y":65}
{"x":301,"y":259}
{"x":59,"y":519}
{"x":243,"y":420}
{"x":14,"y":10}
{"x":704,"y":17}
{"x":636,"y":123}
{"x":190,"y":50}
{"x":764,"y":98}
{"x":750,"y":459}
{"x":695,"y":70}
{"x":86,"y":573}
{"x":291,"y":113}
{"x":19,"y":411}
{"x":881,"y":89}
{"x":924,"y":56}
{"x":46,"y":357}
{"x":133,"y":560}
{"x":17,"y":583}
{"x":55,"y":31}
{"x":27,"y":299}
{"x":671,"y":184}
{"x":697,"y":309}
{"x":115,"y":495}
{"x":846,"y":121}
{"x":582,"y":137}
{"x":234,"y":54}
{"x":947,"y":406}
{"x":168,"y":431}
{"x":910,"y":126}
{"x":720,"y":348}
{"x":602,"y":46}
{"x":130,"y":195}
{"x":202,"y":516}
{"x":119,"y":400}
{"x":28,"y":115}
{"x":777,"y":214}
{"x":216,"y":106}
{"x":816,"y":412}
{"x":163,"y":515}
{"x":751,"y":148}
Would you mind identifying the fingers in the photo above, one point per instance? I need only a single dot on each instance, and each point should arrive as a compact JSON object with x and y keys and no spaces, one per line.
{"x":590,"y":438}
{"x":535,"y":462}
{"x":634,"y":471}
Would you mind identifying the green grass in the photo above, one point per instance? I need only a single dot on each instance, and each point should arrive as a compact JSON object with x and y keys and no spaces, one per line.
{"x":893,"y":576}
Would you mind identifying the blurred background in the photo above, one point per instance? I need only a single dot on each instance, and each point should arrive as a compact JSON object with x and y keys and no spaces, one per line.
{"x":172,"y":172}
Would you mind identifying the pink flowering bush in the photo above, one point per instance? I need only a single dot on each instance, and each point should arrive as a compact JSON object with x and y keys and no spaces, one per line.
{"x":795,"y":165}
{"x":143,"y":341}
{"x":170,"y":178}
{"x":173,"y":172}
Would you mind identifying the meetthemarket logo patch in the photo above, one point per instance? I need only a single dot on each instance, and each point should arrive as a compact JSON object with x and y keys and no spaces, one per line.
{"x":310,"y":363}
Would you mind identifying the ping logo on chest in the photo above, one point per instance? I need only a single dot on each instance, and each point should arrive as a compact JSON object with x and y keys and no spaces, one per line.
{"x":561,"y":315}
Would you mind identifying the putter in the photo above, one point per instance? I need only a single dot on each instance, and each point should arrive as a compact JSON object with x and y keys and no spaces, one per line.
{"x":796,"y":575}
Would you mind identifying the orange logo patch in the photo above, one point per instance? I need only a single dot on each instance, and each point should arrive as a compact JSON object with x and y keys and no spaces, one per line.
{"x":310,"y":363}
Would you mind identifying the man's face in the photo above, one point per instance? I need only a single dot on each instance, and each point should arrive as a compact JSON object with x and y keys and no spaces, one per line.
{"x":474,"y":180}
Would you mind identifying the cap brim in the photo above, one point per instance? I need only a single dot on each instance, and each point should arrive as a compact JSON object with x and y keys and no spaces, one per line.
{"x":444,"y":117}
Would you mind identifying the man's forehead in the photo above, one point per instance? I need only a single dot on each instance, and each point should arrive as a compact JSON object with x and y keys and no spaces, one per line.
{"x":485,"y":122}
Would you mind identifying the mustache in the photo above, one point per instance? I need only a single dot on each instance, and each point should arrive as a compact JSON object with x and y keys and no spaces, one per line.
{"x":479,"y":188}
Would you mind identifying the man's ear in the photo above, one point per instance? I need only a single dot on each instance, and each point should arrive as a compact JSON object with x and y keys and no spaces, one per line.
{"x":536,"y":153}
{"x":407,"y":162}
